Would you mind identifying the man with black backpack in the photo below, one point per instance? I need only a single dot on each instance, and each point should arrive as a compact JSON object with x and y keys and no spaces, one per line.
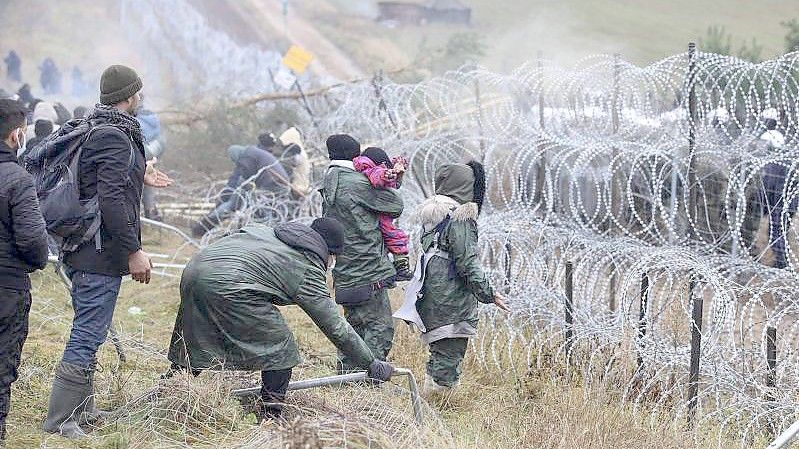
{"x":111,"y":169}
{"x":23,"y":248}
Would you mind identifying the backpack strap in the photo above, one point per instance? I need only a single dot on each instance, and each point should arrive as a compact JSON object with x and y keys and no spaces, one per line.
{"x":93,"y":205}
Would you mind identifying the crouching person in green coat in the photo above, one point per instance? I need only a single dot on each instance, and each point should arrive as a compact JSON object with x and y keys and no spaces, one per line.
{"x":229,"y":291}
{"x":441,"y":300}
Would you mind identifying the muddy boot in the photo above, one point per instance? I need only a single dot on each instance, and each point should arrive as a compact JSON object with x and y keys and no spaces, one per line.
{"x":269,"y":411}
{"x":92,"y":415}
{"x":153,"y":214}
{"x":432,"y":388}
{"x":273,"y":394}
{"x":71,"y":392}
{"x":202,"y":226}
{"x":403,"y":266}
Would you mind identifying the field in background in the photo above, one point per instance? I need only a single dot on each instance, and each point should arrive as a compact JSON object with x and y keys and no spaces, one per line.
{"x":564,"y":30}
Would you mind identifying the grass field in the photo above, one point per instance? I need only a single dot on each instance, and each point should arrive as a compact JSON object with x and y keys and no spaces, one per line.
{"x":509,"y":408}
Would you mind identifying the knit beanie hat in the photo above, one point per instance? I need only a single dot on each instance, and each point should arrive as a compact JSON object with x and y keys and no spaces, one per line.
{"x":343,"y":147}
{"x":378,"y":156}
{"x":332,"y":232}
{"x":266,"y":140}
{"x":118,"y":83}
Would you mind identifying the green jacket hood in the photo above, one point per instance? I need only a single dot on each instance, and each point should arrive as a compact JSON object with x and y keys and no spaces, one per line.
{"x":302,"y":237}
{"x":455,"y":181}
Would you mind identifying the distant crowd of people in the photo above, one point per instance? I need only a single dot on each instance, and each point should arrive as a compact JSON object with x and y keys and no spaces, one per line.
{"x":50,"y":76}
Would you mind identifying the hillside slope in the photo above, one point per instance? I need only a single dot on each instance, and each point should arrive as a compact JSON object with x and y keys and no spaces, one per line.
{"x":563,"y":30}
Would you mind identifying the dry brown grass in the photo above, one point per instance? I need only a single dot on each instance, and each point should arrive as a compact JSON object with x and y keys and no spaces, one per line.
{"x":492,"y":408}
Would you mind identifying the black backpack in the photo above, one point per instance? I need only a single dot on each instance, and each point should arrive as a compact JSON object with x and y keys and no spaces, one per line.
{"x":54,"y":164}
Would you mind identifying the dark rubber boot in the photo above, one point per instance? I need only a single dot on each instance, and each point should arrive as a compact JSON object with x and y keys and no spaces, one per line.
{"x":273,"y":393}
{"x":68,"y":400}
{"x":92,"y":415}
{"x":403,"y":266}
{"x":202,"y":226}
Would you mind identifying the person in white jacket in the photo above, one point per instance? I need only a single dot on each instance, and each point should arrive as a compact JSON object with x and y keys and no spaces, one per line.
{"x":42,"y":111}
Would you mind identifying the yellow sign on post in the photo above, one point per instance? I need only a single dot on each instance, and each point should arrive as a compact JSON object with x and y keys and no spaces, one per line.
{"x":297,"y":59}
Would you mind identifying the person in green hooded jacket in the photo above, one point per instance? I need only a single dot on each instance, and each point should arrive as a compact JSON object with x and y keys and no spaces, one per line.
{"x":363,"y":270}
{"x":442,"y":299}
{"x":229,"y":293}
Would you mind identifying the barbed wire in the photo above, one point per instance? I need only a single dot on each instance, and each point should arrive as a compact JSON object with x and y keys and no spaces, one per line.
{"x":665,"y":172}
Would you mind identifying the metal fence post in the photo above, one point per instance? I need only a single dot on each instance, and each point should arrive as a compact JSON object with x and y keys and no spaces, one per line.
{"x":569,"y":309}
{"x":771,"y":358}
{"x":696,"y":350}
{"x":692,"y":118}
{"x":642,"y":317}
{"x":507,"y":267}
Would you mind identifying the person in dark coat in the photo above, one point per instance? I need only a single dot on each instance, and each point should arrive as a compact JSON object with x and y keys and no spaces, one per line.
{"x":775,"y":177}
{"x":13,"y":66}
{"x":79,"y":112}
{"x":42,"y":128}
{"x":26,"y":97}
{"x":78,"y":84}
{"x":50,"y":77}
{"x":23,"y":248}
{"x":230,"y":295}
{"x":254,"y":167}
{"x":111,"y":166}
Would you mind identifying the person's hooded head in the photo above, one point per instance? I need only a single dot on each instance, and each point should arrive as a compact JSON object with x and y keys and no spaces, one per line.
{"x":378,"y":156}
{"x":235,"y":152}
{"x":266,"y":141}
{"x":45,"y":111}
{"x":464,"y":183}
{"x":342,"y":147}
{"x":80,"y":112}
{"x":43,"y":128}
{"x":324,"y":238}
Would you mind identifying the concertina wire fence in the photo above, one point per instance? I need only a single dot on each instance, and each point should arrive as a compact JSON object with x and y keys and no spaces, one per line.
{"x":632,"y":219}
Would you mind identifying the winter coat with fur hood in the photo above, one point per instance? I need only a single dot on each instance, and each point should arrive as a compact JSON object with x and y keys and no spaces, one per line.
{"x":453,"y":286}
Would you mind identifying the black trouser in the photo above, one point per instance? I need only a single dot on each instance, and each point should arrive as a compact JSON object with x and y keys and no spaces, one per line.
{"x":15,"y":306}
{"x":273,"y":391}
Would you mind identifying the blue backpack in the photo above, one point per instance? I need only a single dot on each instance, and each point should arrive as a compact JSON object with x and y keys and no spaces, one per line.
{"x":54,"y":164}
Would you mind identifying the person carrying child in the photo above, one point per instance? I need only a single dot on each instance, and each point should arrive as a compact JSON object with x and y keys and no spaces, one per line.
{"x":385,"y":173}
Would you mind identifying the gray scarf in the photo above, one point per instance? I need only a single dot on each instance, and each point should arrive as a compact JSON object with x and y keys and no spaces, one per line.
{"x":104,"y":114}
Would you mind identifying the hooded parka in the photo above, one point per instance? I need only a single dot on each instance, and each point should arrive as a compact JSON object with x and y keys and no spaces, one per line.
{"x":228,"y":315}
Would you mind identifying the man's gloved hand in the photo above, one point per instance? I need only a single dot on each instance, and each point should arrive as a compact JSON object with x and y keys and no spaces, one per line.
{"x":380,"y":370}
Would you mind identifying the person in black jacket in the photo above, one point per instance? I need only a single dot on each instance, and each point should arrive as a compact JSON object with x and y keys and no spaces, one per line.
{"x":23,"y":248}
{"x":112,"y":166}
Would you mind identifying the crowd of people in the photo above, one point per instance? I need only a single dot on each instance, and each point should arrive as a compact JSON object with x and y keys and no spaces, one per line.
{"x":231,"y":290}
{"x":50,"y":76}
